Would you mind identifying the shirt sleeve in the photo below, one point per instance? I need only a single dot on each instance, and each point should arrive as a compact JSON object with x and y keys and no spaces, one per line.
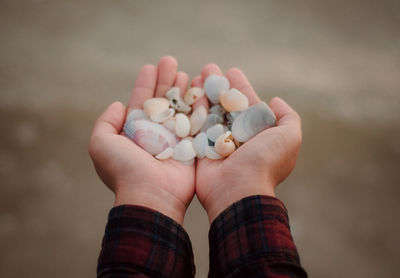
{"x":140,"y":242}
{"x":252,"y":238}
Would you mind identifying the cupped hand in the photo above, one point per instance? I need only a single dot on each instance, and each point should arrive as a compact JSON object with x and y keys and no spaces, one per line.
{"x":134,"y":175}
{"x":256,"y":167}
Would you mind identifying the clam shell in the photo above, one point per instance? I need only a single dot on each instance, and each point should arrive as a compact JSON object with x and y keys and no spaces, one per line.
{"x":252,"y":121}
{"x":212,"y":119}
{"x":233,"y":100}
{"x":217,"y":109}
{"x":215,"y":131}
{"x":163,"y":115}
{"x":182,"y":126}
{"x":136,"y":114}
{"x":212,"y":154}
{"x":152,"y":137}
{"x":165,"y":154}
{"x":170,"y":124}
{"x":200,"y":143}
{"x":224,"y":144}
{"x":213,"y":85}
{"x":193,"y":95}
{"x":153,"y":106}
{"x":197,"y":119}
{"x":184,"y":151}
{"x":174,"y":96}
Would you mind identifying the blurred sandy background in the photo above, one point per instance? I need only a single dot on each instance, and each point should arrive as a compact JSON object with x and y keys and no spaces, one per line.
{"x":336,"y":62}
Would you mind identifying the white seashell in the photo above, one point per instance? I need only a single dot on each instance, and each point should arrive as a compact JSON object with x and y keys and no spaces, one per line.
{"x":154,"y":106}
{"x":233,"y":100}
{"x":182,"y":126}
{"x":152,"y":137}
{"x":184,"y":151}
{"x":193,"y":95}
{"x":163,"y":115}
{"x":174,"y":96}
{"x":213,"y":85}
{"x":215,"y":131}
{"x":200,"y":143}
{"x":197,"y":119}
{"x":136,"y":114}
{"x":212,"y":154}
{"x":165,"y":154}
{"x":212,"y":119}
{"x":170,"y":124}
{"x":218,"y":109}
{"x":224,"y":144}
{"x":253,"y":120}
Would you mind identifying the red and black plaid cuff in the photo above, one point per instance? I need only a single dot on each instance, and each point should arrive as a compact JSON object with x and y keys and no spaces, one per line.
{"x":252,"y":237}
{"x":141,"y":242}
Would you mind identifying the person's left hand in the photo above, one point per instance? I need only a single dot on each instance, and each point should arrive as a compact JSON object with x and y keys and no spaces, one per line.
{"x":135,"y":176}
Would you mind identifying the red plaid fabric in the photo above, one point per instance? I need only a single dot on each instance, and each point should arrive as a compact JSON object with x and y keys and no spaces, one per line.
{"x":251,"y":238}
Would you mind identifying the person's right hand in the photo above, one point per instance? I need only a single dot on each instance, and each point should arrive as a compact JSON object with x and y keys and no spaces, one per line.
{"x":256,"y":167}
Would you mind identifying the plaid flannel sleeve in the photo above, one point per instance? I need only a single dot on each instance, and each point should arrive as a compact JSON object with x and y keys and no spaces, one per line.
{"x":140,"y":242}
{"x":252,"y":238}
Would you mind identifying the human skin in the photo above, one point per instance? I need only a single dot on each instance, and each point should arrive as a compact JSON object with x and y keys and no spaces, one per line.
{"x":135,"y":176}
{"x":259,"y":165}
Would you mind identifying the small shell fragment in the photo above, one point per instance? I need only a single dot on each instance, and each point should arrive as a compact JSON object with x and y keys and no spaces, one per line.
{"x":182,"y":127}
{"x":154,"y":106}
{"x":224,"y":144}
{"x":233,"y":100}
{"x":212,"y":154}
{"x":163,"y":115}
{"x":193,"y":95}
{"x":184,"y":151}
{"x":215,"y":131}
{"x":174,"y":96}
{"x":197,"y":119}
{"x":213,"y":85}
{"x":200,"y":143}
{"x":170,"y":124}
{"x":165,"y":154}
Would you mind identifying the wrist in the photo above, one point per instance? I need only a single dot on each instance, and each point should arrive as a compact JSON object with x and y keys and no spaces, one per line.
{"x":154,"y":198}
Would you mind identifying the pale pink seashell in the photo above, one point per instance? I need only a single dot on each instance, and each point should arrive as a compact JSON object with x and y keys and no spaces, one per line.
{"x":152,"y":137}
{"x":165,"y":154}
{"x":163,"y":115}
{"x":184,"y":151}
{"x":197,"y":119}
{"x":193,"y":95}
{"x":182,"y":127}
{"x":136,"y":114}
{"x":212,"y":154}
{"x":233,"y":100}
{"x":224,"y":144}
{"x":154,"y":106}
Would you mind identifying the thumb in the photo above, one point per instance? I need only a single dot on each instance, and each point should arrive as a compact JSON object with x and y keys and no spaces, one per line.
{"x":111,"y":121}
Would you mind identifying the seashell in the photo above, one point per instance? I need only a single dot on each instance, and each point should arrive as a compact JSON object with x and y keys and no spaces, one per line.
{"x":197,"y":119}
{"x":200,"y":143}
{"x":212,"y":119}
{"x":193,"y":95}
{"x":136,"y":114}
{"x":153,"y":106}
{"x":163,"y":115}
{"x":152,"y":137}
{"x":252,"y":121}
{"x":212,"y":154}
{"x":174,"y":96}
{"x":184,"y":151}
{"x":215,"y":131}
{"x":170,"y":124}
{"x":233,"y":100}
{"x":189,"y":162}
{"x":217,"y":109}
{"x":224,"y":144}
{"x":213,"y":85}
{"x":182,"y":126}
{"x":230,"y":117}
{"x":165,"y":154}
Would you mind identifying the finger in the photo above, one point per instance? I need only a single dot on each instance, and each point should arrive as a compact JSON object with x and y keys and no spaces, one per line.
{"x":181,"y":81}
{"x":167,"y":67}
{"x":239,"y":81}
{"x":144,"y":87}
{"x":198,"y":82}
{"x":210,"y":69}
{"x":286,"y":116}
{"x":111,"y":121}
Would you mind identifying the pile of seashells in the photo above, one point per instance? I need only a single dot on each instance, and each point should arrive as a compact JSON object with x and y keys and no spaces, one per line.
{"x":165,"y":128}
